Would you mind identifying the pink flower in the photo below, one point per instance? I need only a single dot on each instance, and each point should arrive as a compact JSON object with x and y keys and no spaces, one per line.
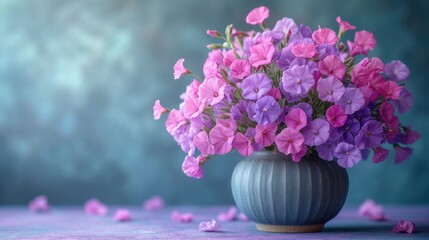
{"x":404,"y":226}
{"x":330,"y":89}
{"x":202,"y":142}
{"x":296,"y":157}
{"x":303,"y":50}
{"x":380,"y":154}
{"x":158,"y":110}
{"x":122,"y":215}
{"x":261,"y":54}
{"x":344,"y":26}
{"x":240,"y":69}
{"x":192,"y":108}
{"x":181,"y":217}
{"x":289,"y":141}
{"x":229,"y":58}
{"x":390,"y":90}
{"x":210,"y":226}
{"x":387,"y":111}
{"x":212,"y":90}
{"x":275,"y":93}
{"x":39,"y":204}
{"x":191,"y":90}
{"x":336,"y":116}
{"x":242,"y":145}
{"x":369,"y":208}
{"x":364,"y":41}
{"x":332,"y":66}
{"x":179,"y":69}
{"x":227,"y":216}
{"x":325,"y":36}
{"x":154,"y":203}
{"x":191,"y":167}
{"x":94,"y":207}
{"x":174,"y":120}
{"x":221,"y":138}
{"x":265,"y":134}
{"x":296,"y":119}
{"x":229,"y":123}
{"x":257,"y":15}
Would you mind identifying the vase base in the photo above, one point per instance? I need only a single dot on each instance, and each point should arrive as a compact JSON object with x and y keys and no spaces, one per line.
{"x":290,"y":229}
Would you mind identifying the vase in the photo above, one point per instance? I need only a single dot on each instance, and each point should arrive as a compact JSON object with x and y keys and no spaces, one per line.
{"x":281,"y":195}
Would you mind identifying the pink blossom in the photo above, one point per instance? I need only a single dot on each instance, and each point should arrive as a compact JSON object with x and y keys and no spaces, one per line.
{"x":229,"y":123}
{"x":227,"y":216}
{"x":275,"y":93}
{"x":289,"y":141}
{"x":390,"y":90}
{"x":174,"y":120}
{"x":210,"y":226}
{"x":296,"y":157}
{"x":39,"y":204}
{"x":211,"y":69}
{"x":179,"y":69}
{"x":303,"y":50}
{"x":257,"y":15}
{"x":95,"y":207}
{"x":325,"y":36}
{"x":153,"y":203}
{"x":404,"y":226}
{"x":240,"y":69}
{"x":344,"y":26}
{"x":265,"y":134}
{"x":202,"y":142}
{"x":336,"y":116}
{"x":191,"y":90}
{"x":242,"y":145}
{"x":364,"y":41}
{"x":366,"y":70}
{"x":229,"y":57}
{"x":261,"y":54}
{"x":369,"y":208}
{"x":158,"y":110}
{"x":212,"y":90}
{"x":191,"y":167}
{"x":296,"y":119}
{"x":387,"y":111}
{"x":221,"y":138}
{"x":380,"y":154}
{"x":122,"y":215}
{"x":192,"y":108}
{"x":182,"y":217}
{"x":332,"y":66}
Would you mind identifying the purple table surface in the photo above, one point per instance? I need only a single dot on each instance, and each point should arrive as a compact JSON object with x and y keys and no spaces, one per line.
{"x":71,"y":222}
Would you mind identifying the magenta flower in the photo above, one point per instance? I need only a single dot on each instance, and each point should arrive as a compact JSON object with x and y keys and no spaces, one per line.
{"x":265,"y":134}
{"x":256,"y":85}
{"x":352,"y":100}
{"x":303,"y":50}
{"x":404,"y":101}
{"x":370,"y":135}
{"x":39,"y":204}
{"x":122,"y":215}
{"x":210,"y":226}
{"x":221,"y":138}
{"x":410,"y":136}
{"x":404,"y":226}
{"x":297,"y":80}
{"x":261,"y":54}
{"x":332,"y":66}
{"x":397,"y":71}
{"x":212,"y":91}
{"x":95,"y":207}
{"x":192,"y":108}
{"x":330,"y":89}
{"x":242,"y":145}
{"x":402,"y":154}
{"x":386,"y":111}
{"x":158,"y":110}
{"x":296,"y":119}
{"x":344,"y":26}
{"x":267,"y":110}
{"x":153,"y":203}
{"x":179,"y":69}
{"x":336,"y":116}
{"x":174,"y":121}
{"x":364,"y":41}
{"x":347,"y":154}
{"x":390,"y":90}
{"x":325,"y":36}
{"x":202,"y":142}
{"x":380,"y":154}
{"x":316,"y":132}
{"x":191,"y":167}
{"x":240,"y":69}
{"x":296,"y":157}
{"x":257,"y":15}
{"x":289,"y":141}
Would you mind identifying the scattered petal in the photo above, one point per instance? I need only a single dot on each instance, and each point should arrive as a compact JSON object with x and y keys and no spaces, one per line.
{"x":182,"y":217}
{"x":210,"y":226}
{"x":153,"y":203}
{"x":404,"y":226}
{"x":370,"y":209}
{"x":122,"y":215}
{"x":95,"y":207}
{"x":227,"y":216}
{"x":243,"y":217}
{"x":39,"y":204}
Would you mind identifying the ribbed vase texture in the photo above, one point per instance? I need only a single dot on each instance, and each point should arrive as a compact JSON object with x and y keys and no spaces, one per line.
{"x":270,"y":188}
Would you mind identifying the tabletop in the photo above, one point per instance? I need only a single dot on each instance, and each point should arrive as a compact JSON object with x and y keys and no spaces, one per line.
{"x":71,"y":222}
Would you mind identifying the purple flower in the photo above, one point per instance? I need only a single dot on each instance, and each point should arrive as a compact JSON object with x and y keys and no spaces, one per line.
{"x":250,"y":109}
{"x":316,"y":132}
{"x":397,"y":71}
{"x":352,"y":100}
{"x":286,"y":58}
{"x":239,"y":109}
{"x":326,"y":150}
{"x":256,"y":85}
{"x":404,"y":102}
{"x":363,"y":115}
{"x":267,"y":110}
{"x":402,"y":154}
{"x":305,"y":107}
{"x":286,"y":25}
{"x":348,"y":155}
{"x":370,"y":135}
{"x":330,"y":89}
{"x":349,"y":130}
{"x":297,"y":80}
{"x":325,"y":50}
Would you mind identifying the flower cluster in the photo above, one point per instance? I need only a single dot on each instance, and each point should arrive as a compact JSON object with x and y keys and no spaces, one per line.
{"x":292,"y":90}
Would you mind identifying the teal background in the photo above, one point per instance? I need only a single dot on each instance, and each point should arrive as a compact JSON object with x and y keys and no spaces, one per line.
{"x":78,"y":80}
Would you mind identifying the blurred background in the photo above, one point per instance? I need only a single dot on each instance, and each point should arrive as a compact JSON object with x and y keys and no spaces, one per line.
{"x":78,"y":80}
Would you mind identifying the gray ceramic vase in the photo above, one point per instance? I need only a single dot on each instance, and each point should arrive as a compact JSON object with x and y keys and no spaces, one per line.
{"x":280,"y":195}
